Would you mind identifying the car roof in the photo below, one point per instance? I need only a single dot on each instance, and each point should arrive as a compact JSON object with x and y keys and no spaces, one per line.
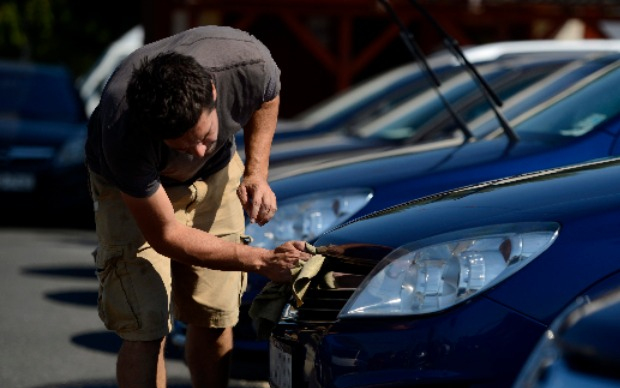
{"x":31,"y":90}
{"x":493,"y":51}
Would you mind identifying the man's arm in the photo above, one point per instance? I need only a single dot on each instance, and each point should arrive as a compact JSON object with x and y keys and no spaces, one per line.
{"x":155,"y":218}
{"x":256,"y":196}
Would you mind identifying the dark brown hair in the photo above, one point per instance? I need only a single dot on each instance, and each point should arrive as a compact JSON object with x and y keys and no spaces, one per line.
{"x":167,"y":94}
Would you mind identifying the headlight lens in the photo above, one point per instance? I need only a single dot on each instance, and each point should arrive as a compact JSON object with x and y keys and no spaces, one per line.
{"x":434,"y":275}
{"x":305,"y":217}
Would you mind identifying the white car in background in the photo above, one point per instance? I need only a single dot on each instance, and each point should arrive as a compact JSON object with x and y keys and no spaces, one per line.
{"x":91,"y":84}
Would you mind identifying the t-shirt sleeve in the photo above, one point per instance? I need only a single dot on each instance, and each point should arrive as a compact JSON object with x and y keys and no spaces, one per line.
{"x":272,"y":84}
{"x":272,"y":74}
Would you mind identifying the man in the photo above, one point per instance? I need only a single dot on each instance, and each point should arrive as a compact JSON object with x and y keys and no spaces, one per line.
{"x":169,"y":192}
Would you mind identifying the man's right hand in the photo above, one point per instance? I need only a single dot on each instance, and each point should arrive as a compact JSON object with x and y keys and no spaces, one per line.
{"x":283,"y":259}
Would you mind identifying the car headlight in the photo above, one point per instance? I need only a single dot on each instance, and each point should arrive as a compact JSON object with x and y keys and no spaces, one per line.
{"x":305,"y":217}
{"x":436,"y":274}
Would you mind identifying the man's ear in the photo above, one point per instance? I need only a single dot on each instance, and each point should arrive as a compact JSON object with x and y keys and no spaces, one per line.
{"x":214,"y":92}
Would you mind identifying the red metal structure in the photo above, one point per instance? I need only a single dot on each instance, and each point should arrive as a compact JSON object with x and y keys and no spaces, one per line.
{"x":324,"y":46}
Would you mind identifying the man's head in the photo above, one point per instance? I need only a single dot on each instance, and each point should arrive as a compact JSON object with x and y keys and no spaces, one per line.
{"x":167,"y":94}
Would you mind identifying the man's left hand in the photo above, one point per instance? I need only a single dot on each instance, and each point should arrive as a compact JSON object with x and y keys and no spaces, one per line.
{"x":257,"y":198}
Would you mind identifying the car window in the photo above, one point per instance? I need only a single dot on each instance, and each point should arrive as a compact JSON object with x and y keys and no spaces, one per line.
{"x":581,"y":109}
{"x":378,"y":94}
{"x":540,"y":92}
{"x":425,"y":113}
{"x":38,"y":95}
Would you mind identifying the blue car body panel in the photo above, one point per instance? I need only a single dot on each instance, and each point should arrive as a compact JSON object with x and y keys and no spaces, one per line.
{"x":579,"y":350}
{"x":399,"y":178}
{"x":483,"y":341}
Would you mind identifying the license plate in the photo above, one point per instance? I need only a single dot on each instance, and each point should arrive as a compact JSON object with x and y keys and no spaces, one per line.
{"x":17,"y":182}
{"x":280,"y":365}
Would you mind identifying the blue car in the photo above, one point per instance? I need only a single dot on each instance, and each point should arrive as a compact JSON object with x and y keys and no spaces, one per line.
{"x":374,"y":96}
{"x":579,"y":349}
{"x":324,"y":196}
{"x":578,"y":124}
{"x":506,"y":76}
{"x":453,"y":289}
{"x":42,"y":135}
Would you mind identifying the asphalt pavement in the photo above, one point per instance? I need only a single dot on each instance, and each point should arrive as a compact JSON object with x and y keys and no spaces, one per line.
{"x":50,"y":335}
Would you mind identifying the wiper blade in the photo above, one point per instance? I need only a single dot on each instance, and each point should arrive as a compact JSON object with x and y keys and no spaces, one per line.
{"x":455,"y":49}
{"x":418,"y":54}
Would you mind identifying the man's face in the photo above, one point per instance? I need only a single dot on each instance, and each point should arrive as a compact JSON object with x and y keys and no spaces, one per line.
{"x":200,"y":140}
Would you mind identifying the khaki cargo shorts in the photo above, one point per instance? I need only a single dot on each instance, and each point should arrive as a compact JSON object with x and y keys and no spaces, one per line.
{"x":140,"y":290}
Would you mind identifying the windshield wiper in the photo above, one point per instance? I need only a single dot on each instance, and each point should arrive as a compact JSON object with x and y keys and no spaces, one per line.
{"x":418,"y":54}
{"x":455,"y":49}
{"x":453,"y":46}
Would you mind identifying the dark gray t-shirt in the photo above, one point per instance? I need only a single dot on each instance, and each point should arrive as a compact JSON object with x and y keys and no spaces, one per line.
{"x":245,"y":77}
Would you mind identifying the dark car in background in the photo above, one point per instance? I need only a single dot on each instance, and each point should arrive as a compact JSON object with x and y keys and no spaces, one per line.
{"x":453,"y":289}
{"x":42,"y":134}
{"x":579,"y":349}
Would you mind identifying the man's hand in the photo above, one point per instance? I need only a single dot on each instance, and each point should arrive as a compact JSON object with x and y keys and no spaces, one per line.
{"x":257,"y":199}
{"x":284,"y":258}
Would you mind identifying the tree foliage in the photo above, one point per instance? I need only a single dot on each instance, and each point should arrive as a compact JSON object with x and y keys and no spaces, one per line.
{"x":69,"y":32}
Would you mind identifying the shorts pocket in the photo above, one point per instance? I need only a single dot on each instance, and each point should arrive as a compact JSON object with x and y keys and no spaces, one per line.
{"x":115,"y":290}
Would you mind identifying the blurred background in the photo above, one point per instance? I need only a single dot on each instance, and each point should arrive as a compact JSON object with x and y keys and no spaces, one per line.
{"x":323,"y":47}
{"x":56,"y":55}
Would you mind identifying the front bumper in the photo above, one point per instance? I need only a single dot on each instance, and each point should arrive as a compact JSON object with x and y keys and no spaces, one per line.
{"x":478,"y":344}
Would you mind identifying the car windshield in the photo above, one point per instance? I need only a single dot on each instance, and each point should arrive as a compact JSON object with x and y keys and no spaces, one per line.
{"x":45,"y":94}
{"x":579,"y":109}
{"x":379,"y":94}
{"x":426,"y":112}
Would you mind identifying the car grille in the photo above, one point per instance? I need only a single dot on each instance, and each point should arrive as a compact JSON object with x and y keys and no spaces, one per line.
{"x":324,"y":299}
{"x":323,"y":305}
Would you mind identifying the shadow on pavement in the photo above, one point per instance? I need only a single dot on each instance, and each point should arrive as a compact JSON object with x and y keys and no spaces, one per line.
{"x":247,"y":365}
{"x":108,"y":384}
{"x":80,"y":272}
{"x":76,"y":297}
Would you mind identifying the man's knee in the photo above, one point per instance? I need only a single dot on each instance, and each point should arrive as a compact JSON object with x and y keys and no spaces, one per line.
{"x":145,"y":347}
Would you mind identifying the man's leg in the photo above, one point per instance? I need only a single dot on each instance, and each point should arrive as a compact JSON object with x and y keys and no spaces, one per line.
{"x":134,"y":290}
{"x":208,"y":300}
{"x":141,"y":364}
{"x":208,"y":354}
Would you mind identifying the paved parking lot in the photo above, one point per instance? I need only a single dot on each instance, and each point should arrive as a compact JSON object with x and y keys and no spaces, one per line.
{"x":51,"y":335}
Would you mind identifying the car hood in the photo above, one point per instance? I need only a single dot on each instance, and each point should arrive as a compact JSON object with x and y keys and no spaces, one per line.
{"x":409,"y":167}
{"x":314,"y":150}
{"x":583,"y":199}
{"x":546,"y":195}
